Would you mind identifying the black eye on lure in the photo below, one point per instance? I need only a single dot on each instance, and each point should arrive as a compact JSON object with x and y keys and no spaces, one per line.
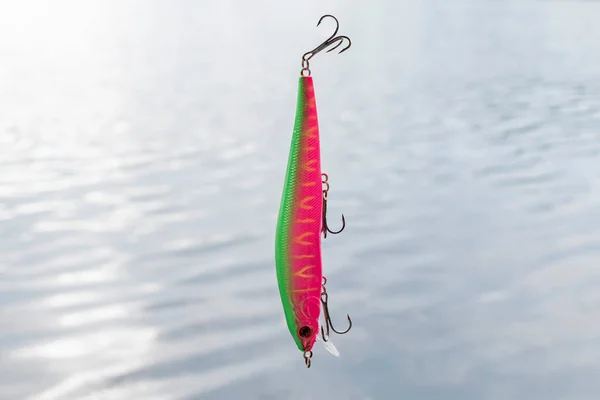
{"x":302,"y":218}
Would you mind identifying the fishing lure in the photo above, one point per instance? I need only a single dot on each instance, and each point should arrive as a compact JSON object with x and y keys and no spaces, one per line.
{"x":302,"y":218}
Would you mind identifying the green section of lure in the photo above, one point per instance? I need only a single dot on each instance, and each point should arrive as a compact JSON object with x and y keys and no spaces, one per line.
{"x":284,"y":223}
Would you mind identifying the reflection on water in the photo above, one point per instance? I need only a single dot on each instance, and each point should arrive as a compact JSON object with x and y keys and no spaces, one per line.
{"x":142,"y":151}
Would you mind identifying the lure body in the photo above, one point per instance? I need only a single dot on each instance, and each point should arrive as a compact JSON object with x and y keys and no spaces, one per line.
{"x":299,"y":224}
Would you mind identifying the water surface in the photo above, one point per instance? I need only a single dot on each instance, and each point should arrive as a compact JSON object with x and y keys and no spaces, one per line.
{"x":142,"y":154}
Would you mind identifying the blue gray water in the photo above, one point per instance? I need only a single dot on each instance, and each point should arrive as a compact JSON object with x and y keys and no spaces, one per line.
{"x":142,"y":153}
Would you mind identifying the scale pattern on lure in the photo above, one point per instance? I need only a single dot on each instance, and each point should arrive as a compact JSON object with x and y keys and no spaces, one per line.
{"x":302,"y":219}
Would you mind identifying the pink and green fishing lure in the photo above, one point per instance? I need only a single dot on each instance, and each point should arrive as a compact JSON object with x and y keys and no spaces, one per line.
{"x":301,"y":219}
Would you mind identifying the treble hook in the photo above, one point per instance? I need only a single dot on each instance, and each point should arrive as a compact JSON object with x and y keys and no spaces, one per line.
{"x":324,"y":180}
{"x":328,"y":323}
{"x":328,"y":42}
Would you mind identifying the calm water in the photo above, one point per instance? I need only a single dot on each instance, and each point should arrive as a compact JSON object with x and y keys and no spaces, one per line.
{"x":142,"y":153}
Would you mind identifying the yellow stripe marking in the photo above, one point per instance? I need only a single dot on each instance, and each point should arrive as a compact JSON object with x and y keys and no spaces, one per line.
{"x":305,"y":290}
{"x":305,"y":200}
{"x":302,"y":273}
{"x":309,"y":183}
{"x":304,"y":256}
{"x":306,"y":221}
{"x":311,"y":132}
{"x":300,"y":239}
{"x":308,"y":166}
